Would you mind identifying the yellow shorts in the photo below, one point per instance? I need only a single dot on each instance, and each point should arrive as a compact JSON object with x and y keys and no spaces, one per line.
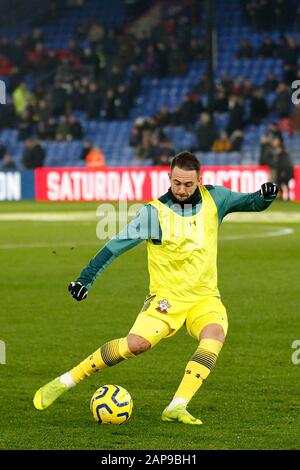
{"x":161,"y":317}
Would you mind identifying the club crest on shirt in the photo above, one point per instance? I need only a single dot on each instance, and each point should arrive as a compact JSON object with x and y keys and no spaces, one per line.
{"x":163,"y":306}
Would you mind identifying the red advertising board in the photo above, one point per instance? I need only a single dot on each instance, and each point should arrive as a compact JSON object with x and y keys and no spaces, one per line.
{"x":295,"y":185}
{"x":133,"y":183}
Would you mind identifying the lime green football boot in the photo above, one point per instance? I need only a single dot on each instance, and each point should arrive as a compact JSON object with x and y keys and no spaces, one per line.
{"x":47,"y":394}
{"x":180,"y":414}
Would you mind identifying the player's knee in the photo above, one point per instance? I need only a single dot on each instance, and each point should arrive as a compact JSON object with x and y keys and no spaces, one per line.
{"x":137,"y":344}
{"x":213,"y":331}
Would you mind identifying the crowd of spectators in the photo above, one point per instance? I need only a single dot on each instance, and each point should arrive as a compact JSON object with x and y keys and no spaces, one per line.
{"x":274,"y":155}
{"x":243,"y":103}
{"x":98,"y":74}
{"x":286,"y":49}
{"x":100,"y":71}
{"x":269,"y":14}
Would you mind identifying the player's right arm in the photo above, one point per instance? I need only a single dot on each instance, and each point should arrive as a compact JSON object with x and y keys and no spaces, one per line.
{"x":228,"y":201}
{"x":142,"y":227}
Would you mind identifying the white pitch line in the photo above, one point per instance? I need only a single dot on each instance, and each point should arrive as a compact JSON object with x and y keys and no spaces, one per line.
{"x":281,"y":231}
{"x":277,"y":233}
{"x":264,"y":216}
{"x":53,"y":245}
{"x":49,"y":216}
{"x":91,"y":216}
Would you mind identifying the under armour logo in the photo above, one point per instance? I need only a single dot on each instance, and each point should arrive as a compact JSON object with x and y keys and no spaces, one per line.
{"x":192,"y":223}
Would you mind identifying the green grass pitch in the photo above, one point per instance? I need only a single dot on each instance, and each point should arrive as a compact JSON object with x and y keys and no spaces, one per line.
{"x":250,"y":401}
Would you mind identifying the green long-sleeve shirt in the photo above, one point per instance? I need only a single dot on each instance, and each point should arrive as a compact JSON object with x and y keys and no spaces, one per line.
{"x":145,"y":226}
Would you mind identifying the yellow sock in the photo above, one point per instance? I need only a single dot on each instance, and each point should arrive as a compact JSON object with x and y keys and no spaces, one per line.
{"x":198,"y":368}
{"x":108,"y":355}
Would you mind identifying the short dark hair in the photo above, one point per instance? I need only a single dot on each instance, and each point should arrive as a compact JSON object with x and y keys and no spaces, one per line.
{"x":186,"y":161}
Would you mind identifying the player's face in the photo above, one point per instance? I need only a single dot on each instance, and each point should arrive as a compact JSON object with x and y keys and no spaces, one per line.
{"x":183,"y":183}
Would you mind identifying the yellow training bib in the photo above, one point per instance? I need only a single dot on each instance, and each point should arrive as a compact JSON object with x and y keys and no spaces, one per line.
{"x":184,"y":266}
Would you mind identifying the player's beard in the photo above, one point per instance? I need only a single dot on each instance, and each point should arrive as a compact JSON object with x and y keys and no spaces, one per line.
{"x":193,"y":199}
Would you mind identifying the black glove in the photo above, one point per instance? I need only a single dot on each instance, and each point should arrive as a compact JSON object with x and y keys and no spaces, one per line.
{"x":78,"y":290}
{"x":268,"y":190}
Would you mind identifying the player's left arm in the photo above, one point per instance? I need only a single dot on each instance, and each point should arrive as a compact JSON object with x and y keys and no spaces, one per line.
{"x":229,"y":201}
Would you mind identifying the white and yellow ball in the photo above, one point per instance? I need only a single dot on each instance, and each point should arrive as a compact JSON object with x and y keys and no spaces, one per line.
{"x":111,"y":404}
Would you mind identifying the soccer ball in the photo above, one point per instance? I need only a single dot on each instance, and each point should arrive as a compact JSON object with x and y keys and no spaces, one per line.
{"x":111,"y":404}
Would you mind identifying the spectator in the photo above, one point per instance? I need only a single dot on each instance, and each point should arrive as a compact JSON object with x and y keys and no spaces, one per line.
{"x":41,"y":130}
{"x":2,"y":150}
{"x":121,"y":103}
{"x":202,"y":86}
{"x":95,"y":33}
{"x":274,"y":131}
{"x":137,"y":132}
{"x":296,"y":119}
{"x":165,"y":154}
{"x":236,"y":114}
{"x":93,"y":102}
{"x":87,"y":147}
{"x":154,"y":149}
{"x":247,"y":89}
{"x":34,"y":154}
{"x":221,"y":102}
{"x":5,"y":66}
{"x":282,"y":102}
{"x":8,"y":163}
{"x":259,"y":108}
{"x":236,"y":141}
{"x":8,"y":118}
{"x":151,"y":61}
{"x":58,"y":99}
{"x":197,"y":49}
{"x":75,"y":131}
{"x":271,"y":83}
{"x":206,"y":133}
{"x":109,"y":105}
{"x":284,"y":168}
{"x":145,"y":144}
{"x":267,"y":157}
{"x":222,"y":143}
{"x":287,"y":125}
{"x":290,"y":58}
{"x":188,"y":112}
{"x":164,"y":116}
{"x":135,"y":82}
{"x":245,"y":50}
{"x":43,"y":111}
{"x":77,"y":95}
{"x":21,"y":98}
{"x":63,"y":129}
{"x":268,"y":49}
{"x":176,"y":60}
{"x":298,"y":19}
{"x":226,"y":84}
{"x":95,"y":158}
{"x":25,"y":126}
{"x":51,"y":128}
